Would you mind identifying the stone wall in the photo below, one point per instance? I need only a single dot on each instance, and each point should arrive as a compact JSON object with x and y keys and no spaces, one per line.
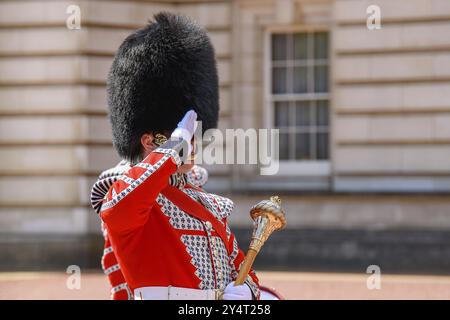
{"x":391,"y":98}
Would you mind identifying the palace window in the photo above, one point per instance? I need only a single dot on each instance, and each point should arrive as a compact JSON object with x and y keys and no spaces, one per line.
{"x":299,"y":86}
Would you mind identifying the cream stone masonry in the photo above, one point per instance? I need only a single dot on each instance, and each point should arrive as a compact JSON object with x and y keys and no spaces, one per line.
{"x":22,"y":13}
{"x":54,"y":69}
{"x":353,"y":11}
{"x":43,"y":191}
{"x":391,"y":96}
{"x":69,"y":69}
{"x":384,"y":128}
{"x":66,"y":99}
{"x":94,"y":40}
{"x":389,"y":183}
{"x":111,"y":13}
{"x":45,"y":220}
{"x":409,"y":159}
{"x":393,"y":67}
{"x":48,"y":160}
{"x":213,"y":15}
{"x":417,"y":97}
{"x":52,"y":99}
{"x":411,"y":36}
{"x":224,"y":101}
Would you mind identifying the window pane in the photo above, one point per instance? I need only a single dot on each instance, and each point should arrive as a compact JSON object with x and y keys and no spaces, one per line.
{"x":279,"y":47}
{"x":321,"y":45}
{"x":322,"y":113}
{"x":303,"y":125}
{"x":302,"y":113}
{"x":320,"y":79}
{"x":284,"y":146}
{"x":300,"y":80}
{"x":302,"y":146}
{"x":300,"y":46}
{"x":279,"y":80}
{"x":322,"y":146}
{"x":281,"y":114}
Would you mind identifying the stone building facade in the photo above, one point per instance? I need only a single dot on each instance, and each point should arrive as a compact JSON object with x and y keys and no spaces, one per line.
{"x":364,"y":119}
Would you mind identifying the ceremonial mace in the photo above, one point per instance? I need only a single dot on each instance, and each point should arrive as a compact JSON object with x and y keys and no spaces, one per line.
{"x":268,"y":216}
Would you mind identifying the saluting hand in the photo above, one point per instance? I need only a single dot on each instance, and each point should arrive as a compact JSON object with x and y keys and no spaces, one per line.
{"x":186,"y":128}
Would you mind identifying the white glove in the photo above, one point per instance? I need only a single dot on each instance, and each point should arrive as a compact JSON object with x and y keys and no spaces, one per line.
{"x":186,"y":128}
{"x":241,"y":292}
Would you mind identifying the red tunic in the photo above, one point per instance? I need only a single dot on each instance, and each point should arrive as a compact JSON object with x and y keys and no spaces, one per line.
{"x":158,"y":244}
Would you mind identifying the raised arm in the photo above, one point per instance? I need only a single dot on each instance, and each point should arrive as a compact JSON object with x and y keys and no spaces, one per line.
{"x":130,"y":199}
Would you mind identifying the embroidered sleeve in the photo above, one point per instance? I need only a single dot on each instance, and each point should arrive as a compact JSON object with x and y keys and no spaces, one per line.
{"x":236,"y":259}
{"x":111,"y":268}
{"x":130,"y":198}
{"x":104,"y":183}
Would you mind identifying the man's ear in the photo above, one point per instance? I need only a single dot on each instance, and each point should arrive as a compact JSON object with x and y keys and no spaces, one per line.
{"x":147,"y":143}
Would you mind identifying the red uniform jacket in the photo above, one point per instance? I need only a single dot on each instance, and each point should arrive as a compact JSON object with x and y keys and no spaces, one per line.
{"x":150,"y":241}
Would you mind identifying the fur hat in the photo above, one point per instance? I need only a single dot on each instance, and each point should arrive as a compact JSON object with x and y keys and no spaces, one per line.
{"x":158,"y":74}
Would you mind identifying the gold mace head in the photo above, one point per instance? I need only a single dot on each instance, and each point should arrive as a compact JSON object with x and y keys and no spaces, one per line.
{"x":268,"y":217}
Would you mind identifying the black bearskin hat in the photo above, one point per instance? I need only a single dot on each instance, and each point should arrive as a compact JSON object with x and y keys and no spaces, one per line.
{"x":158,"y":74}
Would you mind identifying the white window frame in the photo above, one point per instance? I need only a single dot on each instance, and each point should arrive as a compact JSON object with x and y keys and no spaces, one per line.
{"x":293,"y":167}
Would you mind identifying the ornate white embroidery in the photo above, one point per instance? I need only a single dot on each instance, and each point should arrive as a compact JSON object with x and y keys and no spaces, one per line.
{"x":177,"y":180}
{"x":135,"y":184}
{"x":221,"y":207}
{"x":106,"y":251}
{"x":178,"y":218}
{"x":142,"y":165}
{"x":171,"y":152}
{"x":112,"y":269}
{"x":233,"y":256}
{"x":122,"y":286}
{"x":221,"y":262}
{"x":198,"y":249}
{"x":126,"y":179}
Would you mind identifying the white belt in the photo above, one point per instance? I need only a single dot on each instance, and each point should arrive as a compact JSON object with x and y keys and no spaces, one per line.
{"x":175,"y":293}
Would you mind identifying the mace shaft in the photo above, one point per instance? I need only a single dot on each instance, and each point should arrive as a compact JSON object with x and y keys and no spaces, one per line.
{"x":246,"y":266}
